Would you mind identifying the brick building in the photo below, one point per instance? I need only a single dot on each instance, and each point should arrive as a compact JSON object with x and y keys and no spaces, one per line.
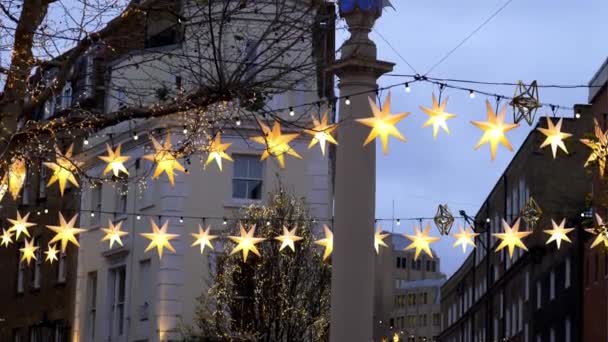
{"x":595,"y":293}
{"x":536,"y":295}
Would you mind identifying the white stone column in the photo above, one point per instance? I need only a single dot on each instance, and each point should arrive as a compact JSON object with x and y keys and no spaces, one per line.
{"x":352,"y":292}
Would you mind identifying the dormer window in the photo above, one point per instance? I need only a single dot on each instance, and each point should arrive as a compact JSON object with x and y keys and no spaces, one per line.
{"x":163,"y":26}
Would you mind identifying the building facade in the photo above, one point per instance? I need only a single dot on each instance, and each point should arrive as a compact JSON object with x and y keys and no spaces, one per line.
{"x":596,"y":260}
{"x":536,"y":295}
{"x":407,"y":294}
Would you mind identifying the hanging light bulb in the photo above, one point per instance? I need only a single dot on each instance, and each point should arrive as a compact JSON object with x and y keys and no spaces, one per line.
{"x":347,"y":101}
{"x":135,"y":136}
{"x":577,"y":115}
{"x":237,"y":121}
{"x":398,"y":222}
{"x":86,"y":141}
{"x":46,"y":211}
{"x":225,"y":222}
{"x":138,"y":217}
{"x":471,"y":94}
{"x":407,"y":88}
{"x":291,"y":112}
{"x":181,"y":220}
{"x":185,"y":131}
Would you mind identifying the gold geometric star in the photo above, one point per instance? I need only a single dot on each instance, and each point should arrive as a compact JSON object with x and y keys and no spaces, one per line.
{"x":383,"y":123}
{"x":321,"y":132}
{"x":421,"y":241}
{"x":288,"y":239}
{"x":66,"y":232}
{"x":51,"y":254}
{"x":558,"y":233}
{"x":165,"y":160}
{"x":115,"y":161}
{"x":113,"y":233}
{"x":437,"y":116}
{"x":246,"y":242}
{"x":203,"y":238}
{"x":327,"y":242}
{"x":159,"y":238}
{"x":555,"y":136}
{"x":601,"y":231}
{"x":511,"y":238}
{"x":379,"y":239}
{"x":16,"y":177}
{"x":494,"y":129}
{"x":465,"y":237}
{"x":277,"y":144}
{"x":599,"y":148}
{"x":28,"y":252}
{"x":217,"y":151}
{"x":7,"y":238}
{"x":20,"y":225}
{"x":63,"y":169}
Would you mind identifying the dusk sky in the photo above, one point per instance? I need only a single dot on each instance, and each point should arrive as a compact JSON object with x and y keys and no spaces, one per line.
{"x":551,"y":41}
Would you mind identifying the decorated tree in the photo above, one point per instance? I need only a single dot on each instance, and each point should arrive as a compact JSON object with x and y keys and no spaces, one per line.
{"x":281,"y":295}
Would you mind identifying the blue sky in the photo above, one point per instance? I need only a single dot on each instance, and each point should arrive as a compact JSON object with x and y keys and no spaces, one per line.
{"x":551,"y":41}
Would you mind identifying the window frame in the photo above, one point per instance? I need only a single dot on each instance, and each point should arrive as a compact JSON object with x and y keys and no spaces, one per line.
{"x":248,"y":178}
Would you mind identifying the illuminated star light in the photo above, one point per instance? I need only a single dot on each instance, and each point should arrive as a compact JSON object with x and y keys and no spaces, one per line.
{"x":327,"y":242}
{"x":421,"y":241}
{"x":203,"y":238}
{"x":28,"y":252}
{"x":66,"y":232}
{"x":113,"y":233}
{"x":465,"y":236}
{"x":599,"y":148}
{"x":437,"y":116}
{"x":277,"y":144}
{"x":51,"y":254}
{"x":379,"y":239}
{"x":246,"y":242}
{"x":321,"y":132}
{"x":601,"y":232}
{"x":16,"y":177}
{"x":3,"y":186}
{"x":217,"y":151}
{"x":165,"y":160}
{"x":115,"y":161}
{"x":63,"y":169}
{"x":288,"y":239}
{"x":159,"y":238}
{"x":6,"y":238}
{"x":494,"y":130}
{"x":20,"y":225}
{"x":559,"y":233}
{"x":383,"y":123}
{"x":555,"y":136}
{"x":511,"y":238}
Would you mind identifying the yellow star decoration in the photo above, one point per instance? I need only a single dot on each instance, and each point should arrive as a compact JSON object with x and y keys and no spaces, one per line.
{"x":159,"y":238}
{"x":66,"y":232}
{"x":63,"y":169}
{"x":559,"y":233}
{"x":383,"y":123}
{"x":6,"y":238}
{"x":437,"y":116}
{"x":165,"y":160}
{"x":113,"y":233}
{"x":288,"y":239}
{"x":51,"y":254}
{"x":20,"y":225}
{"x":115,"y":161}
{"x":601,"y":231}
{"x":379,"y":239}
{"x":321,"y":132}
{"x":555,"y":136}
{"x":465,"y":236}
{"x":28,"y":252}
{"x":277,"y":144}
{"x":246,"y":242}
{"x":494,"y":130}
{"x":599,"y":148}
{"x":327,"y":242}
{"x":203,"y":238}
{"x":3,"y":186}
{"x":421,"y":241}
{"x":16,"y":177}
{"x":511,"y":238}
{"x":217,"y":151}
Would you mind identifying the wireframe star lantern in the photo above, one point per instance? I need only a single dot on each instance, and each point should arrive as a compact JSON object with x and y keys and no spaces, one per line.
{"x":383,"y":123}
{"x":531,"y":213}
{"x":599,"y":149}
{"x":444,"y":219}
{"x":494,"y":130}
{"x":525,"y":102}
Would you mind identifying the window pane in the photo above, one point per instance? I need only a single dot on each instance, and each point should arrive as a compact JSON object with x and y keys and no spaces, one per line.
{"x":240,"y":166}
{"x":254,"y":190}
{"x":255,"y":168}
{"x":239,"y":188}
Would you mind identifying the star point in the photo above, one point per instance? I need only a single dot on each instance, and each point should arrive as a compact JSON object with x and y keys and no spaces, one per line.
{"x":63,"y":169}
{"x":511,"y":238}
{"x":115,"y":161}
{"x":203,"y":238}
{"x":246,"y":242}
{"x":421,"y":241}
{"x":277,"y":143}
{"x":51,"y":254}
{"x":559,"y":233}
{"x":113,"y":233}
{"x":383,"y":124}
{"x":217,"y":151}
{"x":20,"y":225}
{"x":28,"y":252}
{"x":379,"y":239}
{"x":494,"y":130}
{"x":288,"y":239}
{"x":465,"y":236}
{"x":159,"y":238}
{"x":65,"y":232}
{"x":165,"y":159}
{"x":437,"y":116}
{"x":327,"y":242}
{"x":321,"y":132}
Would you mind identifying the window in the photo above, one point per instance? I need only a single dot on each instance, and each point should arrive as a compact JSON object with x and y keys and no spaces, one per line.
{"x":552,"y":285}
{"x":20,"y":271}
{"x":418,"y":264}
{"x":36,"y":334}
{"x":404,"y":262}
{"x":398,"y":262}
{"x":61,"y":268}
{"x":117,"y":300}
{"x":91,"y":304}
{"x":413,"y":264}
{"x":539,"y":299}
{"x":49,"y":108}
{"x":25,"y":191}
{"x":146,"y":281}
{"x":121,"y":200}
{"x":428,"y":265}
{"x":568,"y":330}
{"x":424,"y":297}
{"x":422,"y":320}
{"x":247,"y":179}
{"x":121,"y":98}
{"x":411,"y":321}
{"x":42,"y":181}
{"x":96,"y":202}
{"x":37,"y":265}
{"x":66,"y":96}
{"x":433,"y":266}
{"x":17,"y":335}
{"x":527,"y":286}
{"x":436,"y":319}
{"x":552,"y":335}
